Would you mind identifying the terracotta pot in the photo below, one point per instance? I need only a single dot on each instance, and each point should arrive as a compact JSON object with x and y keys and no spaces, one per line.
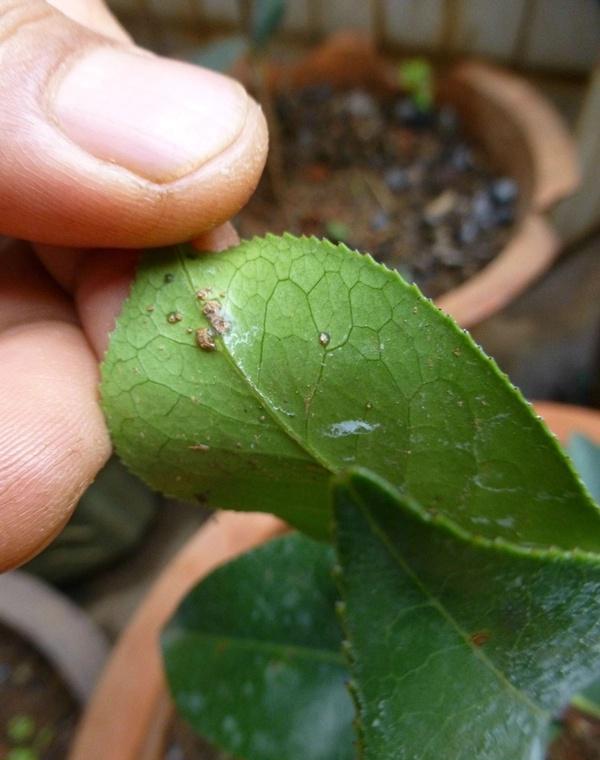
{"x":520,"y":131}
{"x":69,"y":640}
{"x":564,"y":420}
{"x":129,"y":715}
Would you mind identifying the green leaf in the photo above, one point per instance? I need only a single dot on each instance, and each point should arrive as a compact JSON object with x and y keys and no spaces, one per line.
{"x":588,"y":700}
{"x":337,"y":231}
{"x":477,"y":642}
{"x":267,"y":16}
{"x":326,"y":360}
{"x":253,"y":656}
{"x":219,"y":55}
{"x":416,"y":76}
{"x":586,"y":458}
{"x":22,"y":753}
{"x":20,"y":728}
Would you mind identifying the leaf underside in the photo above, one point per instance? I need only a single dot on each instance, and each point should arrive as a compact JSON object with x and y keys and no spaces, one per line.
{"x":328,"y":361}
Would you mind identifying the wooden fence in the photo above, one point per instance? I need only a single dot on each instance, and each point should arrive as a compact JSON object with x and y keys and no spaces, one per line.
{"x":559,"y":35}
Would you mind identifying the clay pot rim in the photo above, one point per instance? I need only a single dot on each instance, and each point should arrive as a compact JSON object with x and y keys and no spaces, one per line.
{"x":59,"y":630}
{"x":551,"y":154}
{"x":130,"y":713}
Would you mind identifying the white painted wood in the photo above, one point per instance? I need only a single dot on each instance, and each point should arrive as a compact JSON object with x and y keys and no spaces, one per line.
{"x":489,"y":27}
{"x":354,"y":14}
{"x":296,"y":16}
{"x":173,"y":9}
{"x":414,"y":23}
{"x":564,"y":34}
{"x":221,"y":10}
{"x":580,"y":214}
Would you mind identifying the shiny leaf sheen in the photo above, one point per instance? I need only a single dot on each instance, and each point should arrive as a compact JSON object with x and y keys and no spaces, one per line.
{"x":478,"y":642}
{"x":253,"y":656}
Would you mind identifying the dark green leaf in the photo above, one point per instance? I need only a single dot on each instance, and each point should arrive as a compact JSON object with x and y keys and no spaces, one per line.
{"x":20,"y":729}
{"x":253,"y":656}
{"x":588,"y":700}
{"x":267,"y":16}
{"x":586,"y":458}
{"x":219,"y":55}
{"x":460,"y":647}
{"x":110,"y":519}
{"x":326,"y":360}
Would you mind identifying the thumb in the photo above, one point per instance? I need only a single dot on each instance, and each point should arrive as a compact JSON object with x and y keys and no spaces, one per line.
{"x":103,"y":144}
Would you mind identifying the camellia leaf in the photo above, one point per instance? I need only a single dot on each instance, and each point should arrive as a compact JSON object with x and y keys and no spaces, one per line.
{"x":245,"y":378}
{"x":253,"y":656}
{"x":586,"y":458}
{"x":219,"y":55}
{"x":267,"y":16}
{"x":460,"y":647}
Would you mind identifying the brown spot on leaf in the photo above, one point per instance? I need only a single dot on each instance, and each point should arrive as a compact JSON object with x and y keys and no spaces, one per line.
{"x":203,"y":294}
{"x":173,"y":317}
{"x":480,"y":638}
{"x":205,"y":339}
{"x":212,"y":311}
{"x":199,"y":447}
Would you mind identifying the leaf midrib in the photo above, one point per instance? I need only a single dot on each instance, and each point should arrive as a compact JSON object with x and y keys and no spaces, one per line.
{"x":296,"y":650}
{"x":263,"y":400}
{"x":436,"y":604}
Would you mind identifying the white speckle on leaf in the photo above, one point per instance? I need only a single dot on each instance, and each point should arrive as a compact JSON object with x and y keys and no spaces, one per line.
{"x":192,"y":701}
{"x":284,"y":411}
{"x":246,"y":338}
{"x":506,"y":522}
{"x":350,"y":427}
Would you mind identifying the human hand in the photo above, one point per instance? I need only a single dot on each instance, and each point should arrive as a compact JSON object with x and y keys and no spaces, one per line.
{"x":102,"y":145}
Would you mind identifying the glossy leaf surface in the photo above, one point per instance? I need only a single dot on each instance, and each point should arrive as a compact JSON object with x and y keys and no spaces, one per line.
{"x":460,"y":647}
{"x":253,"y":656}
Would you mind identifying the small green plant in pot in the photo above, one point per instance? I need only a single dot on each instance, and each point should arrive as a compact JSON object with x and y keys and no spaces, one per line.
{"x":442,"y":598}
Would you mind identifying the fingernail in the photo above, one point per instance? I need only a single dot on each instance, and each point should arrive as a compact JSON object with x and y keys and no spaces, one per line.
{"x":158,"y":118}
